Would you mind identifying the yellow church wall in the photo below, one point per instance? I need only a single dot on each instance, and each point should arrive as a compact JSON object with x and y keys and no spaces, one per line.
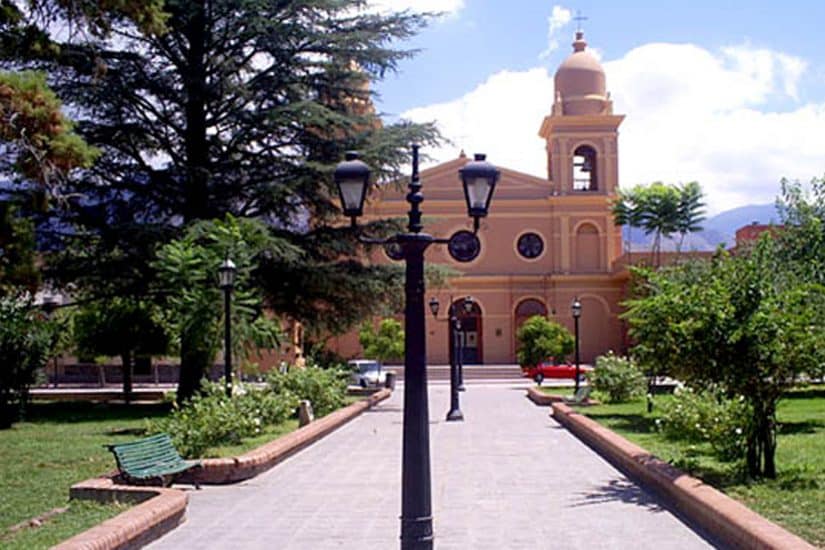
{"x":582,"y":248}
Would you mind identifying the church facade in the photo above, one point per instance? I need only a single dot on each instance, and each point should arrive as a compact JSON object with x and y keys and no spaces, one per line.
{"x":545,"y":242}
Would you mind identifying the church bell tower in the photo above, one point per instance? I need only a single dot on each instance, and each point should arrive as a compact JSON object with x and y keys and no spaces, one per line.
{"x":581,"y":135}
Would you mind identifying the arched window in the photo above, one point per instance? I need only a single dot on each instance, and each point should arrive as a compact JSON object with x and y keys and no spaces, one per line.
{"x":584,"y":169}
{"x":587,"y":248}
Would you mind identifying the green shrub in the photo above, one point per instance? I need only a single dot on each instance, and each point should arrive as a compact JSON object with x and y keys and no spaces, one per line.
{"x":707,"y":417}
{"x":326,"y":389}
{"x":540,"y":339}
{"x":210,"y":419}
{"x":617,"y":377}
{"x":25,"y":342}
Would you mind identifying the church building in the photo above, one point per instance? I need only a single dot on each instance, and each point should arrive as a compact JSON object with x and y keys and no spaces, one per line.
{"x":545,"y":242}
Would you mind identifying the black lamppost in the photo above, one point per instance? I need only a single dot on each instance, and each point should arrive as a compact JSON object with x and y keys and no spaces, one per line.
{"x":454,"y":333}
{"x":226,"y":275}
{"x":49,"y":306}
{"x":468,"y":309}
{"x":479,"y":179}
{"x":576,"y":309}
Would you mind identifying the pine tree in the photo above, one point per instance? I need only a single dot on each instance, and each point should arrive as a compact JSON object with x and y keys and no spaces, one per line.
{"x":224,"y":107}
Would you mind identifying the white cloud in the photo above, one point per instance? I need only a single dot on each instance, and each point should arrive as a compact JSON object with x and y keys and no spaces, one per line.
{"x":449,"y":7}
{"x":559,"y":17}
{"x":692,"y":114}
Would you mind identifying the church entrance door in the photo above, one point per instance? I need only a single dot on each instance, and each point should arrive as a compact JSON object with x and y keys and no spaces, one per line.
{"x":471,"y":334}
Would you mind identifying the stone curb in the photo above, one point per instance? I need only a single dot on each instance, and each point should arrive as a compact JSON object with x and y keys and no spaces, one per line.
{"x":160,"y":510}
{"x":721,"y":516}
{"x":545,"y":399}
{"x":540,"y":398}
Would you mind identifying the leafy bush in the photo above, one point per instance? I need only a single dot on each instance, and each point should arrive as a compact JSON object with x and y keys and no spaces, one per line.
{"x":324,"y":388}
{"x":384,"y":344}
{"x":25,"y":342}
{"x":707,"y":417}
{"x":540,"y":339}
{"x":210,"y":419}
{"x":617,"y":377}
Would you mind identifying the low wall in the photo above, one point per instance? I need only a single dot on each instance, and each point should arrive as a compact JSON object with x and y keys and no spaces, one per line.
{"x":730,"y":521}
{"x":159,"y":510}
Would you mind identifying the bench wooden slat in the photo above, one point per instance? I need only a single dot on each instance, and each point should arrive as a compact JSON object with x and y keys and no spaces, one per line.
{"x":151,"y":457}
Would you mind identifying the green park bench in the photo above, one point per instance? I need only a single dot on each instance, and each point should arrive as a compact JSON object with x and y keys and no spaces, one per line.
{"x":154,"y":458}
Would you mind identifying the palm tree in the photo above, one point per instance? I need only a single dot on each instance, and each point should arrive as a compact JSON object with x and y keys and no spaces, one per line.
{"x":690,"y":211}
{"x":659,"y":213}
{"x":627,"y":212}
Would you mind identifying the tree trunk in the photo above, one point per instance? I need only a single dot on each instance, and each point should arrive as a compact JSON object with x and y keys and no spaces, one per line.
{"x":126,"y":359}
{"x":7,"y":409}
{"x":196,"y":194}
{"x":195,"y":358}
{"x":753,"y":457}
{"x":768,"y":437}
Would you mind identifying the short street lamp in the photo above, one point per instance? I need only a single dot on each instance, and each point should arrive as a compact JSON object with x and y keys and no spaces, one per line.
{"x":454,"y":333}
{"x":468,"y":304}
{"x":576,"y":309}
{"x":226,"y":276}
{"x":479,"y":179}
{"x":49,"y":306}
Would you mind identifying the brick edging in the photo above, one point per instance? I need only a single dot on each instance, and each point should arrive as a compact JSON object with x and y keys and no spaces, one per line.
{"x":540,"y":398}
{"x":721,"y":516}
{"x":238,"y":468}
{"x":159,"y":511}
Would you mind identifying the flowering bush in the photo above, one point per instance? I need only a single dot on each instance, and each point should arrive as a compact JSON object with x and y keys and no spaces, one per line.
{"x":617,"y":377}
{"x":211,"y":418}
{"x":707,"y":417}
{"x":324,"y":388}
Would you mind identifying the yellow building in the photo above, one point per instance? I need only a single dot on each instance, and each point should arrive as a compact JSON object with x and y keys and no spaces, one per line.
{"x":545,"y":241}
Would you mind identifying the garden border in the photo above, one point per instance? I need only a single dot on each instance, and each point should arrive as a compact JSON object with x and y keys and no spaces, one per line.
{"x":160,"y":510}
{"x":542,"y":399}
{"x":723,"y":517}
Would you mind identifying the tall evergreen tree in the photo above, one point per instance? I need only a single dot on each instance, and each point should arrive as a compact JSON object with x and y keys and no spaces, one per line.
{"x":223,"y":106}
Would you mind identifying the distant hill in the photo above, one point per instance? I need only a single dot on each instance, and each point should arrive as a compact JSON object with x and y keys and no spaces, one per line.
{"x":720,"y":228}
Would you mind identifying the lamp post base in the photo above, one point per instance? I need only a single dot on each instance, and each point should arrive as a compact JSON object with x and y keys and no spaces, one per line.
{"x":455,"y":414}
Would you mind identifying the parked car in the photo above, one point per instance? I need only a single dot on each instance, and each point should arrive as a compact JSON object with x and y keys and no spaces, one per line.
{"x":367,"y":373}
{"x":548,"y":369}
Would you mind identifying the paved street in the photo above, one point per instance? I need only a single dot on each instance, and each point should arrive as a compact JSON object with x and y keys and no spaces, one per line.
{"x":507,"y":477}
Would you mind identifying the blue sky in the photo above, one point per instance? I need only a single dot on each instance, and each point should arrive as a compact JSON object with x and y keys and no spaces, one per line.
{"x":729,"y":93}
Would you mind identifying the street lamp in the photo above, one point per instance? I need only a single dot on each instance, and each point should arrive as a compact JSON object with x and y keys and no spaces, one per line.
{"x":226,"y":276}
{"x":49,"y":306}
{"x":352,"y":178}
{"x":454,"y":328}
{"x":576,"y":309}
{"x":469,"y":303}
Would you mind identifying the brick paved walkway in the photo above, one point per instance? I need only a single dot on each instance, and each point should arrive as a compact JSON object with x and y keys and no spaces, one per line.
{"x":507,"y":477}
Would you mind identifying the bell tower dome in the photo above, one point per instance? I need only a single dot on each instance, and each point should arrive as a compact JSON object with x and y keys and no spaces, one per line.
{"x":580,"y":82}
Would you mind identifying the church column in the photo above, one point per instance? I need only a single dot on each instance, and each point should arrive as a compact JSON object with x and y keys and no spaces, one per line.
{"x":565,"y":243}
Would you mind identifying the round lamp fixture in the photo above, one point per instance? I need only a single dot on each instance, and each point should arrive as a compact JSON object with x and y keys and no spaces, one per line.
{"x":226,"y":274}
{"x":479,"y":178}
{"x":352,"y":179}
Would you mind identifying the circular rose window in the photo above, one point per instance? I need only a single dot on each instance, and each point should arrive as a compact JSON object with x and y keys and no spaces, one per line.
{"x":530,"y":246}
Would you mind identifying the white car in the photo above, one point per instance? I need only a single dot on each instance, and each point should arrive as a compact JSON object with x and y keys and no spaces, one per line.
{"x":367,"y":373}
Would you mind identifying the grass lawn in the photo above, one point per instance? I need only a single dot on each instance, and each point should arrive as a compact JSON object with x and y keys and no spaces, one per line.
{"x":793,"y":500}
{"x":62,"y":443}
{"x":59,"y":445}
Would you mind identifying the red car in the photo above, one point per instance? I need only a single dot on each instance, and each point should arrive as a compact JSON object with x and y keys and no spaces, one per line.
{"x":551,"y":370}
